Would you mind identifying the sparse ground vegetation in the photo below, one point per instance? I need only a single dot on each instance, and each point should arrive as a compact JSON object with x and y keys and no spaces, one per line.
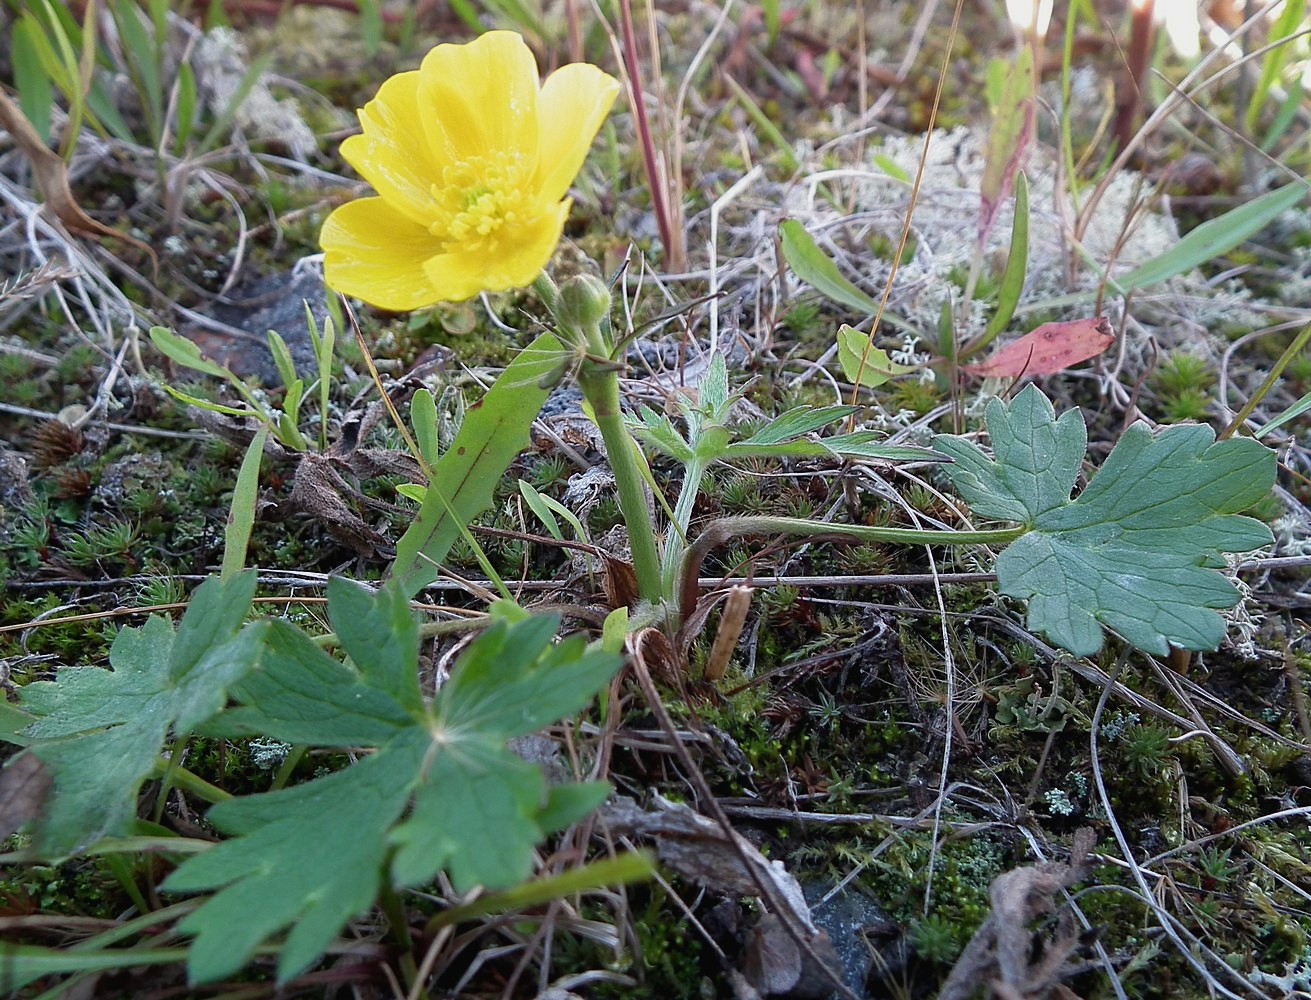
{"x":710,"y":615}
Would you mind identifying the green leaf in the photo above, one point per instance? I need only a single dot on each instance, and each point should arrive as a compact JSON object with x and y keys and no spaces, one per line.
{"x":282,"y":357}
{"x":186,"y":353}
{"x":889,"y":167}
{"x":36,"y":92}
{"x":815,"y":269}
{"x":480,"y":793}
{"x":304,"y":859}
{"x":1133,"y":551}
{"x":423,"y":418}
{"x":1215,"y":237}
{"x":861,"y":445}
{"x":765,"y":126}
{"x":863,"y":364}
{"x":440,"y":785}
{"x":614,"y":630}
{"x":301,"y":695}
{"x":205,"y":404}
{"x":1017,"y":264}
{"x":378,"y":629}
{"x":796,"y":422}
{"x":100,"y":732}
{"x":712,"y":390}
{"x":567,"y":804}
{"x":1284,"y":117}
{"x":13,"y":723}
{"x":245,"y":501}
{"x":537,"y":503}
{"x":184,"y":117}
{"x":658,"y":431}
{"x":494,"y":431}
{"x":869,"y":446}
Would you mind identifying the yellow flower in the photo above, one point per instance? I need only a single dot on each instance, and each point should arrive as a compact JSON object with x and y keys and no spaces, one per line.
{"x":471,"y":158}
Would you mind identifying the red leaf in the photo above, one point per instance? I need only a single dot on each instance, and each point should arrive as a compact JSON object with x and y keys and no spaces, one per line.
{"x":1048,"y":349}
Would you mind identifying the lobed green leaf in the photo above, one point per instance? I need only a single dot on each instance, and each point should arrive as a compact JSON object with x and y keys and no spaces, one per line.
{"x":440,"y":785}
{"x":1134,"y":550}
{"x":101,"y":732}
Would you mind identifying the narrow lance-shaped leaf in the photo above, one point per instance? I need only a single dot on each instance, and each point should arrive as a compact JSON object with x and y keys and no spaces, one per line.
{"x":494,"y":431}
{"x":1134,"y":550}
{"x":815,"y":268}
{"x":1215,"y":237}
{"x":1017,"y":266}
{"x":1010,"y":133}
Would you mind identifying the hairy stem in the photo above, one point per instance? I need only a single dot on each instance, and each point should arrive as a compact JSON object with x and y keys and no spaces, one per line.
{"x":718,"y":532}
{"x":600,"y":385}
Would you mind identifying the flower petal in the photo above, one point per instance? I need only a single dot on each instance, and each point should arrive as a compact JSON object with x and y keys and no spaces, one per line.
{"x":480,"y":97}
{"x":391,"y":154}
{"x":462,"y":275}
{"x":574,"y":102}
{"x":375,"y":253}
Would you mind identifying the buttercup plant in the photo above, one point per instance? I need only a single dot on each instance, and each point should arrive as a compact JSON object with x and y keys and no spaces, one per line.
{"x":476,"y":188}
{"x":471,"y":157}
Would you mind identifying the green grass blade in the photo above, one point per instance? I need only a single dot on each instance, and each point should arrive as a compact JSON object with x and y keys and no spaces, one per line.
{"x":1017,"y":264}
{"x":282,"y":357}
{"x":21,"y":964}
{"x":544,"y":514}
{"x":141,"y":63}
{"x":768,"y":130}
{"x":1291,"y":413}
{"x":184,"y":115}
{"x":1215,"y":237}
{"x":241,"y":515}
{"x":221,"y":123}
{"x":1289,"y":23}
{"x":370,"y":25}
{"x":468,"y":15}
{"x":1284,"y":117}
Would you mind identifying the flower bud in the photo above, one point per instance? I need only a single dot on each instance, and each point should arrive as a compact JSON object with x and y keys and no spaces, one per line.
{"x":584,"y":301}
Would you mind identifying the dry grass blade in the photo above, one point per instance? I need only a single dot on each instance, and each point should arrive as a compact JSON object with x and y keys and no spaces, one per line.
{"x":51,"y":174}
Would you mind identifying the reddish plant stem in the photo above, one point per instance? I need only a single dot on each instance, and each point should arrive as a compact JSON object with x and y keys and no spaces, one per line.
{"x":1142,"y":37}
{"x":655,"y":178}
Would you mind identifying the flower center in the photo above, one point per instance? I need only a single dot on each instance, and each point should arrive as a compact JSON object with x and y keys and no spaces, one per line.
{"x":478,"y":198}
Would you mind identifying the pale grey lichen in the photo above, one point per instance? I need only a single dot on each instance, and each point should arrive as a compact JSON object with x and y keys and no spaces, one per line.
{"x":221,"y":68}
{"x":267,"y":754}
{"x":1059,"y":803}
{"x":1073,"y":245}
{"x":1114,"y":727}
